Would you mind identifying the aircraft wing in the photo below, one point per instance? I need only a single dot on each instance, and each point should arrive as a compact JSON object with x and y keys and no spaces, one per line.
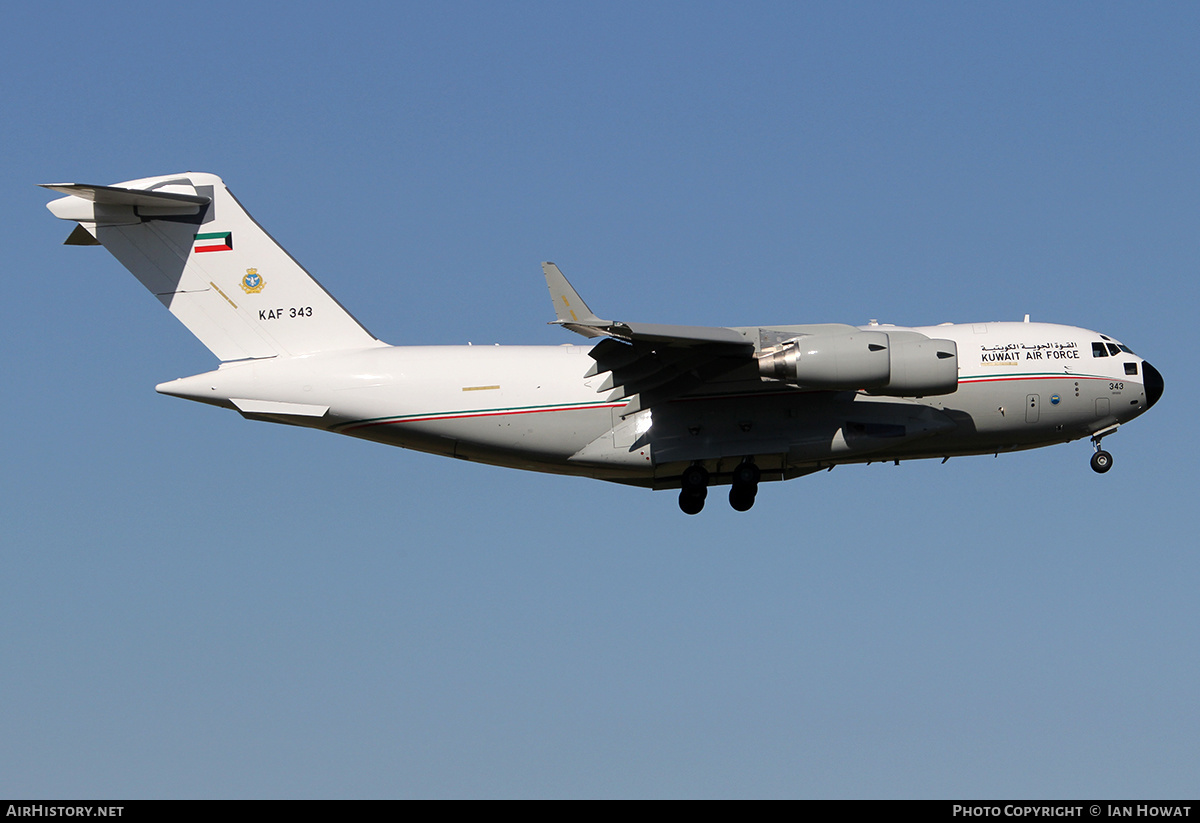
{"x":649,"y":362}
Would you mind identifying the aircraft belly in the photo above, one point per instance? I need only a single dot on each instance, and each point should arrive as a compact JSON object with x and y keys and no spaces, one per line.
{"x":805,"y":427}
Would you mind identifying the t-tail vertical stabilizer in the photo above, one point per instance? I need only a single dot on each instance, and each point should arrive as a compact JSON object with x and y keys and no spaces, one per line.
{"x":190,"y":242}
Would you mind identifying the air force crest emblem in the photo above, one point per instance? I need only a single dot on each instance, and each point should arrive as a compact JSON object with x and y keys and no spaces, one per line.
{"x":253,"y":282}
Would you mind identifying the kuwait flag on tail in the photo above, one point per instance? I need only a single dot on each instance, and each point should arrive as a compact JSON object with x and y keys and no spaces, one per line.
{"x":214,"y":241}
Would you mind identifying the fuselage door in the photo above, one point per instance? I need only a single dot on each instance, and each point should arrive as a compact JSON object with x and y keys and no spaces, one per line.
{"x":1031,"y":408}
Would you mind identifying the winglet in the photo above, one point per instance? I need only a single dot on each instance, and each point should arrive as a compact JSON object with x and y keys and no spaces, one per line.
{"x":568,"y":305}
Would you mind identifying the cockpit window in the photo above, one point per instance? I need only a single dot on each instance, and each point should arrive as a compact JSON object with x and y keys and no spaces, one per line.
{"x":1098,"y":350}
{"x":1113,"y":350}
{"x":1125,"y":349}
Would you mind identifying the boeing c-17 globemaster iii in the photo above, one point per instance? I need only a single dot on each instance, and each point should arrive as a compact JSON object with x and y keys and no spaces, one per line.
{"x":664,"y":407}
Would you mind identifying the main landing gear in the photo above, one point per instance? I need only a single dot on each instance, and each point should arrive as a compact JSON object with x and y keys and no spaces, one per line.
{"x":694,"y":487}
{"x":745,"y":486}
{"x":1101,"y":461}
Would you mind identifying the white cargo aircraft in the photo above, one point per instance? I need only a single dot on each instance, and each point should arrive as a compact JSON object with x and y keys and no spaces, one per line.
{"x":666,"y":407}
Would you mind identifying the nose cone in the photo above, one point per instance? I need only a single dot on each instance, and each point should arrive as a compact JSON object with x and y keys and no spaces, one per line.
{"x":1152,"y":382}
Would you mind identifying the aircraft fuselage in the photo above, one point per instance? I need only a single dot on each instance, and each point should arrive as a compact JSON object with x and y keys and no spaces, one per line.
{"x":1020,"y":385}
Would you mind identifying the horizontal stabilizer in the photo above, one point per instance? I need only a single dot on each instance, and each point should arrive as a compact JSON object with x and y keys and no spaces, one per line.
{"x":115,"y":196}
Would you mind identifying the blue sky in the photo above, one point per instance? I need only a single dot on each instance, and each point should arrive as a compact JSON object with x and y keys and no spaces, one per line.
{"x":195,"y":605}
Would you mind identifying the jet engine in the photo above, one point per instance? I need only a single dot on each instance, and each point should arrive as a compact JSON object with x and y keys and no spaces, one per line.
{"x":895,"y":363}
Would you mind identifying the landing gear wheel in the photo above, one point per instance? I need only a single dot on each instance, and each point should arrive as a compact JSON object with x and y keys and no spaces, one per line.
{"x":1101,"y":461}
{"x":695,"y":478}
{"x":746,"y":474}
{"x":694,"y":484}
{"x":741,"y":499}
{"x":745,"y":486}
{"x":690,"y":502}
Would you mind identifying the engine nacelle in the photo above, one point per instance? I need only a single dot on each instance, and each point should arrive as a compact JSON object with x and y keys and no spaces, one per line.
{"x":840,"y":360}
{"x":898,"y":363}
{"x":921,"y":365}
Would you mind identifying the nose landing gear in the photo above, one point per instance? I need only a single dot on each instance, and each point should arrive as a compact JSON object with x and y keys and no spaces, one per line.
{"x":1101,"y":461}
